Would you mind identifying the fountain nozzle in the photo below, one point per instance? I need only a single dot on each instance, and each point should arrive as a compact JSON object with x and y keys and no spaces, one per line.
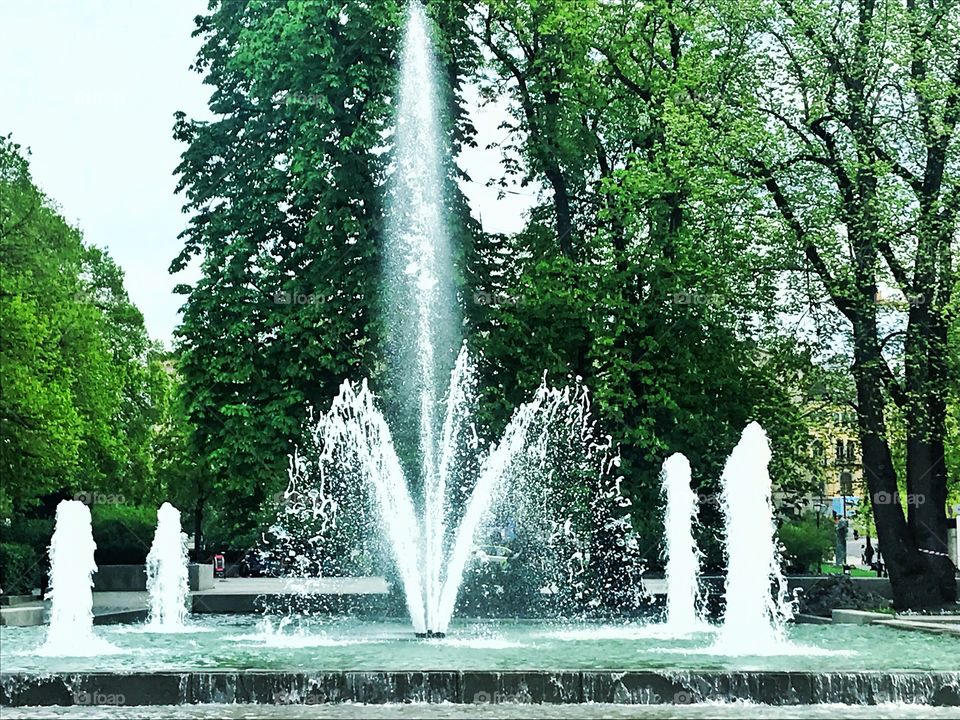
{"x":429,"y":635}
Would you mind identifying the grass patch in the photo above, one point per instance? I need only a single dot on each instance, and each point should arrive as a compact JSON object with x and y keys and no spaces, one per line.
{"x":854,"y":572}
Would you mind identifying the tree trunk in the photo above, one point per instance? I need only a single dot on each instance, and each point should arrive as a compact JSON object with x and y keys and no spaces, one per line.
{"x":561,"y":207}
{"x":913,"y":581}
{"x":198,"y":528}
{"x":926,"y":376}
{"x":554,"y":173}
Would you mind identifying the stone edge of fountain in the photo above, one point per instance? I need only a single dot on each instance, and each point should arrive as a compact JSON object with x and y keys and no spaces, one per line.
{"x":480,"y":687}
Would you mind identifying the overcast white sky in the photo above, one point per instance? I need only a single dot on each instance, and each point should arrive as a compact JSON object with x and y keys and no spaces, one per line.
{"x":90,"y":86}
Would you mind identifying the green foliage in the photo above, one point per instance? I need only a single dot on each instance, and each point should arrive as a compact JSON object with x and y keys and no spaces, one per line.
{"x":77,"y":403}
{"x":123,"y":533}
{"x":700,"y":239}
{"x":805,"y":544}
{"x":19,"y":568}
{"x":222,"y":535}
{"x":33,"y":531}
{"x":284,"y":190}
{"x":952,"y":441}
{"x":282,"y":311}
{"x":643,"y":272}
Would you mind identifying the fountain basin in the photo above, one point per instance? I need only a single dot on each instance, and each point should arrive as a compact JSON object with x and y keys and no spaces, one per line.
{"x":243,"y":643}
{"x":313,"y":660}
{"x":480,"y":687}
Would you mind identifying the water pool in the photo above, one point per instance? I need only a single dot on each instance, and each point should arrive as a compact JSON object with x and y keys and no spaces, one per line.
{"x":247,"y":642}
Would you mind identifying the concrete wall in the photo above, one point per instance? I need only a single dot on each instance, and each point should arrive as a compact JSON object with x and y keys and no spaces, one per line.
{"x":479,"y":687}
{"x":132,"y":578}
{"x":120,"y":578}
{"x":201,"y":576}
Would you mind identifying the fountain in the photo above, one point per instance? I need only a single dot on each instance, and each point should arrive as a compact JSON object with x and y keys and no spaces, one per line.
{"x":352,"y":472}
{"x":754,"y":618}
{"x":420,"y":291}
{"x":683,"y":557}
{"x":167,"y":581}
{"x":551,"y":483}
{"x":71,"y":584}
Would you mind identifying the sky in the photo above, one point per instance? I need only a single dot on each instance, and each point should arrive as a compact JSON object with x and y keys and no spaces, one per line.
{"x":91,"y":86}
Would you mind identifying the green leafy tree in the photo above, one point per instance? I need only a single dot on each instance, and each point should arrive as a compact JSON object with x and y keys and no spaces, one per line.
{"x":76,"y":407}
{"x":641,"y":271}
{"x":847,"y":119}
{"x":285,"y":192}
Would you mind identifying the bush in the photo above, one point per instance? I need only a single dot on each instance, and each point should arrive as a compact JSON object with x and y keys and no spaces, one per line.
{"x":35,"y":532}
{"x":123,"y":533}
{"x":804,"y":544}
{"x":20,"y":569}
{"x":220,"y":535}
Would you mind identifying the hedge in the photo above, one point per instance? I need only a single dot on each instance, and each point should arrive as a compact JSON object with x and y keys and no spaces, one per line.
{"x":20,"y":568}
{"x":123,"y":533}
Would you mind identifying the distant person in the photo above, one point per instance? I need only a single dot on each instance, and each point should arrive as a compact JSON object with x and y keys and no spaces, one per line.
{"x":841,"y":549}
{"x":868,"y":554}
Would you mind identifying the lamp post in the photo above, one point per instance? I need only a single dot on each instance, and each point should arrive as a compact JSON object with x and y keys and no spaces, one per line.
{"x":818,"y":506}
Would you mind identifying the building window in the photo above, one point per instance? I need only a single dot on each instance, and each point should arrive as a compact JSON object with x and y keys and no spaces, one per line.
{"x":851,"y":451}
{"x":846,"y":483}
{"x":839,"y":451}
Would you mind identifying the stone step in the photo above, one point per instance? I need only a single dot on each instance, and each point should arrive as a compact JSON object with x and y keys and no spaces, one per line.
{"x":23,"y":616}
{"x":857,"y":617}
{"x":935,"y":628}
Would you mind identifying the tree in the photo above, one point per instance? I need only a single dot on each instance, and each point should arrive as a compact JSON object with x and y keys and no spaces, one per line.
{"x":848,"y":122}
{"x":181,"y":469}
{"x":641,"y":270}
{"x":284,"y":189}
{"x":76,"y":404}
{"x":40,"y":425}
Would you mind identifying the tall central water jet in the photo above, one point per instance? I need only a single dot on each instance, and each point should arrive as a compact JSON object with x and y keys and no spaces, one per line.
{"x":420,"y":275}
{"x":348,"y":495}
